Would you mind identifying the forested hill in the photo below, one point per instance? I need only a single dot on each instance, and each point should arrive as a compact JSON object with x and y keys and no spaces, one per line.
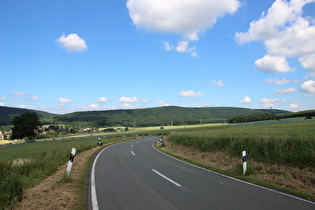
{"x":140,"y":117}
{"x":159,"y":116}
{"x":7,"y":114}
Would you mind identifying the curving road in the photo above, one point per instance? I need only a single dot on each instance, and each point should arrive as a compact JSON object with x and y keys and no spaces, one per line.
{"x":134,"y":175}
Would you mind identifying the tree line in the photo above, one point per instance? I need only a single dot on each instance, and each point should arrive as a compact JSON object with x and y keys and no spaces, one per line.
{"x":270,"y":116}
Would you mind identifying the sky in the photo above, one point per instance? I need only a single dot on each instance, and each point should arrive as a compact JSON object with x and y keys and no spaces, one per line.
{"x":63,"y":56}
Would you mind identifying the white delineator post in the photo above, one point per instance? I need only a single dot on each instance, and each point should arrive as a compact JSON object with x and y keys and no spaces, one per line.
{"x":70,"y":161}
{"x":244,"y":158}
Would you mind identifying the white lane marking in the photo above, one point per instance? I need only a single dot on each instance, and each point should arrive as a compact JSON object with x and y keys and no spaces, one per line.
{"x":93,"y":190}
{"x":132,"y":153}
{"x":132,"y":145}
{"x":165,"y":177}
{"x":232,"y":178}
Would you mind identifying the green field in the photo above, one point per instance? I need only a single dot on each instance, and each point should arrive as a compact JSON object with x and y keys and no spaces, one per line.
{"x":285,"y":143}
{"x":23,"y":166}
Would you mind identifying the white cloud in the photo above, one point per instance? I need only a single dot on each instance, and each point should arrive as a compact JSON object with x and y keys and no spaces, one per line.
{"x":186,"y":17}
{"x":2,"y":104}
{"x":35,"y":98}
{"x":3,"y":98}
{"x":267,"y":103}
{"x":162,"y":103}
{"x":128,"y":99}
{"x":102,"y":100}
{"x":284,"y":91}
{"x":190,"y":93}
{"x":65,"y":100}
{"x":21,"y":94}
{"x":277,"y":81}
{"x":217,"y":83}
{"x":285,"y":33}
{"x":182,"y":47}
{"x":273,"y":64}
{"x":145,"y":101}
{"x":308,"y":87}
{"x":246,"y":100}
{"x":166,"y":46}
{"x":72,"y":43}
{"x":308,"y":62}
{"x":94,"y":106}
{"x":294,"y":106}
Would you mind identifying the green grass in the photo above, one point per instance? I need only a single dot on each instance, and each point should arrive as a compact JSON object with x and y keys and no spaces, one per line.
{"x":287,"y":143}
{"x":23,"y":166}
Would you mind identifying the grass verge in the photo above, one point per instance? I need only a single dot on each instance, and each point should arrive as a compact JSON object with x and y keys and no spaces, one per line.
{"x":298,"y":184}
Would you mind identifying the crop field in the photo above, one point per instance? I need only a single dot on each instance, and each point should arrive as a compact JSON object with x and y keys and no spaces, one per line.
{"x":285,"y":143}
{"x":23,"y":166}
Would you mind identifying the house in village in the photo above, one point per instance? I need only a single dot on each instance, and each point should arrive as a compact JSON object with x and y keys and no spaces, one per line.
{"x":1,"y":136}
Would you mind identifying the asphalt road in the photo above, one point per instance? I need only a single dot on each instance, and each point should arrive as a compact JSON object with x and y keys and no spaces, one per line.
{"x":134,"y":175}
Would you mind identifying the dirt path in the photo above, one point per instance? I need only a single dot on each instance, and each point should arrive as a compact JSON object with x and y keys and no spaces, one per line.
{"x":50,"y":194}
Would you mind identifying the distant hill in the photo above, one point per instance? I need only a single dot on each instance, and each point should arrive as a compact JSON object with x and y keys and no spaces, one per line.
{"x":7,"y":114}
{"x":159,"y":116}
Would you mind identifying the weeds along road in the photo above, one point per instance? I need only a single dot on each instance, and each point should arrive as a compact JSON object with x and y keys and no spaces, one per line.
{"x":134,"y":175}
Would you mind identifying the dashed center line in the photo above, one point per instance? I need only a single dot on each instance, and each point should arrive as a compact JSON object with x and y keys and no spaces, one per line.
{"x":132,"y":153}
{"x":165,"y":177}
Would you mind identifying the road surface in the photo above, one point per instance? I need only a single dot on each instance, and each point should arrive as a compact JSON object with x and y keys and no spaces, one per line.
{"x":134,"y":175}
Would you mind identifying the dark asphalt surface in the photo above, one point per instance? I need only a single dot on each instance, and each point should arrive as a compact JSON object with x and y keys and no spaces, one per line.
{"x":133,"y":175}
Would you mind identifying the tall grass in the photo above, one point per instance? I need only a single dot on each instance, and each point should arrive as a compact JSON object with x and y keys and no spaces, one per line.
{"x":23,"y":166}
{"x":288,"y":143}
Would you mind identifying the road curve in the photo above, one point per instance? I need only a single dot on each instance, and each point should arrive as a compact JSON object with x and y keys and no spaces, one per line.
{"x":133,"y":175}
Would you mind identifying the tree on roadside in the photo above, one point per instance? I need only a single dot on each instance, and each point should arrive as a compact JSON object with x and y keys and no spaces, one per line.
{"x":26,"y":125}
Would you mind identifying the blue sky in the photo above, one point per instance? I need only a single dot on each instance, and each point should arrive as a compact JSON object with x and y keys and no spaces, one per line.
{"x":63,"y":56}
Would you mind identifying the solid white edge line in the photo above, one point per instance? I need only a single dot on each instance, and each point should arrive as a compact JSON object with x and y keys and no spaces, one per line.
{"x":93,"y":190}
{"x":235,"y":179}
{"x":165,"y":177}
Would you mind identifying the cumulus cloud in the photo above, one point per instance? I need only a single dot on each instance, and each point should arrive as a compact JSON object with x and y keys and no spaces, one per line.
{"x":102,"y":100}
{"x":162,"y":103}
{"x":65,"y":100}
{"x":25,"y":96}
{"x":128,"y":99}
{"x":284,"y":32}
{"x":3,"y":98}
{"x":266,"y":103}
{"x":185,"y":17}
{"x":94,"y":106}
{"x":284,"y":91}
{"x":166,"y":46}
{"x":273,"y":64}
{"x":308,"y":62}
{"x":217,"y":83}
{"x":246,"y":100}
{"x":72,"y":43}
{"x":190,"y":93}
{"x":294,"y":106}
{"x":308,"y":87}
{"x":277,"y":81}
{"x":182,"y":47}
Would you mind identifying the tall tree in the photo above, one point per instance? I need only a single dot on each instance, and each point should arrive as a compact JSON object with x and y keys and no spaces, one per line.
{"x":25,"y":125}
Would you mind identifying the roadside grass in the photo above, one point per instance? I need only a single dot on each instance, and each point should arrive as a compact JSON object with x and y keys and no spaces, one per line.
{"x":292,"y":180}
{"x":288,"y":143}
{"x":23,"y":166}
